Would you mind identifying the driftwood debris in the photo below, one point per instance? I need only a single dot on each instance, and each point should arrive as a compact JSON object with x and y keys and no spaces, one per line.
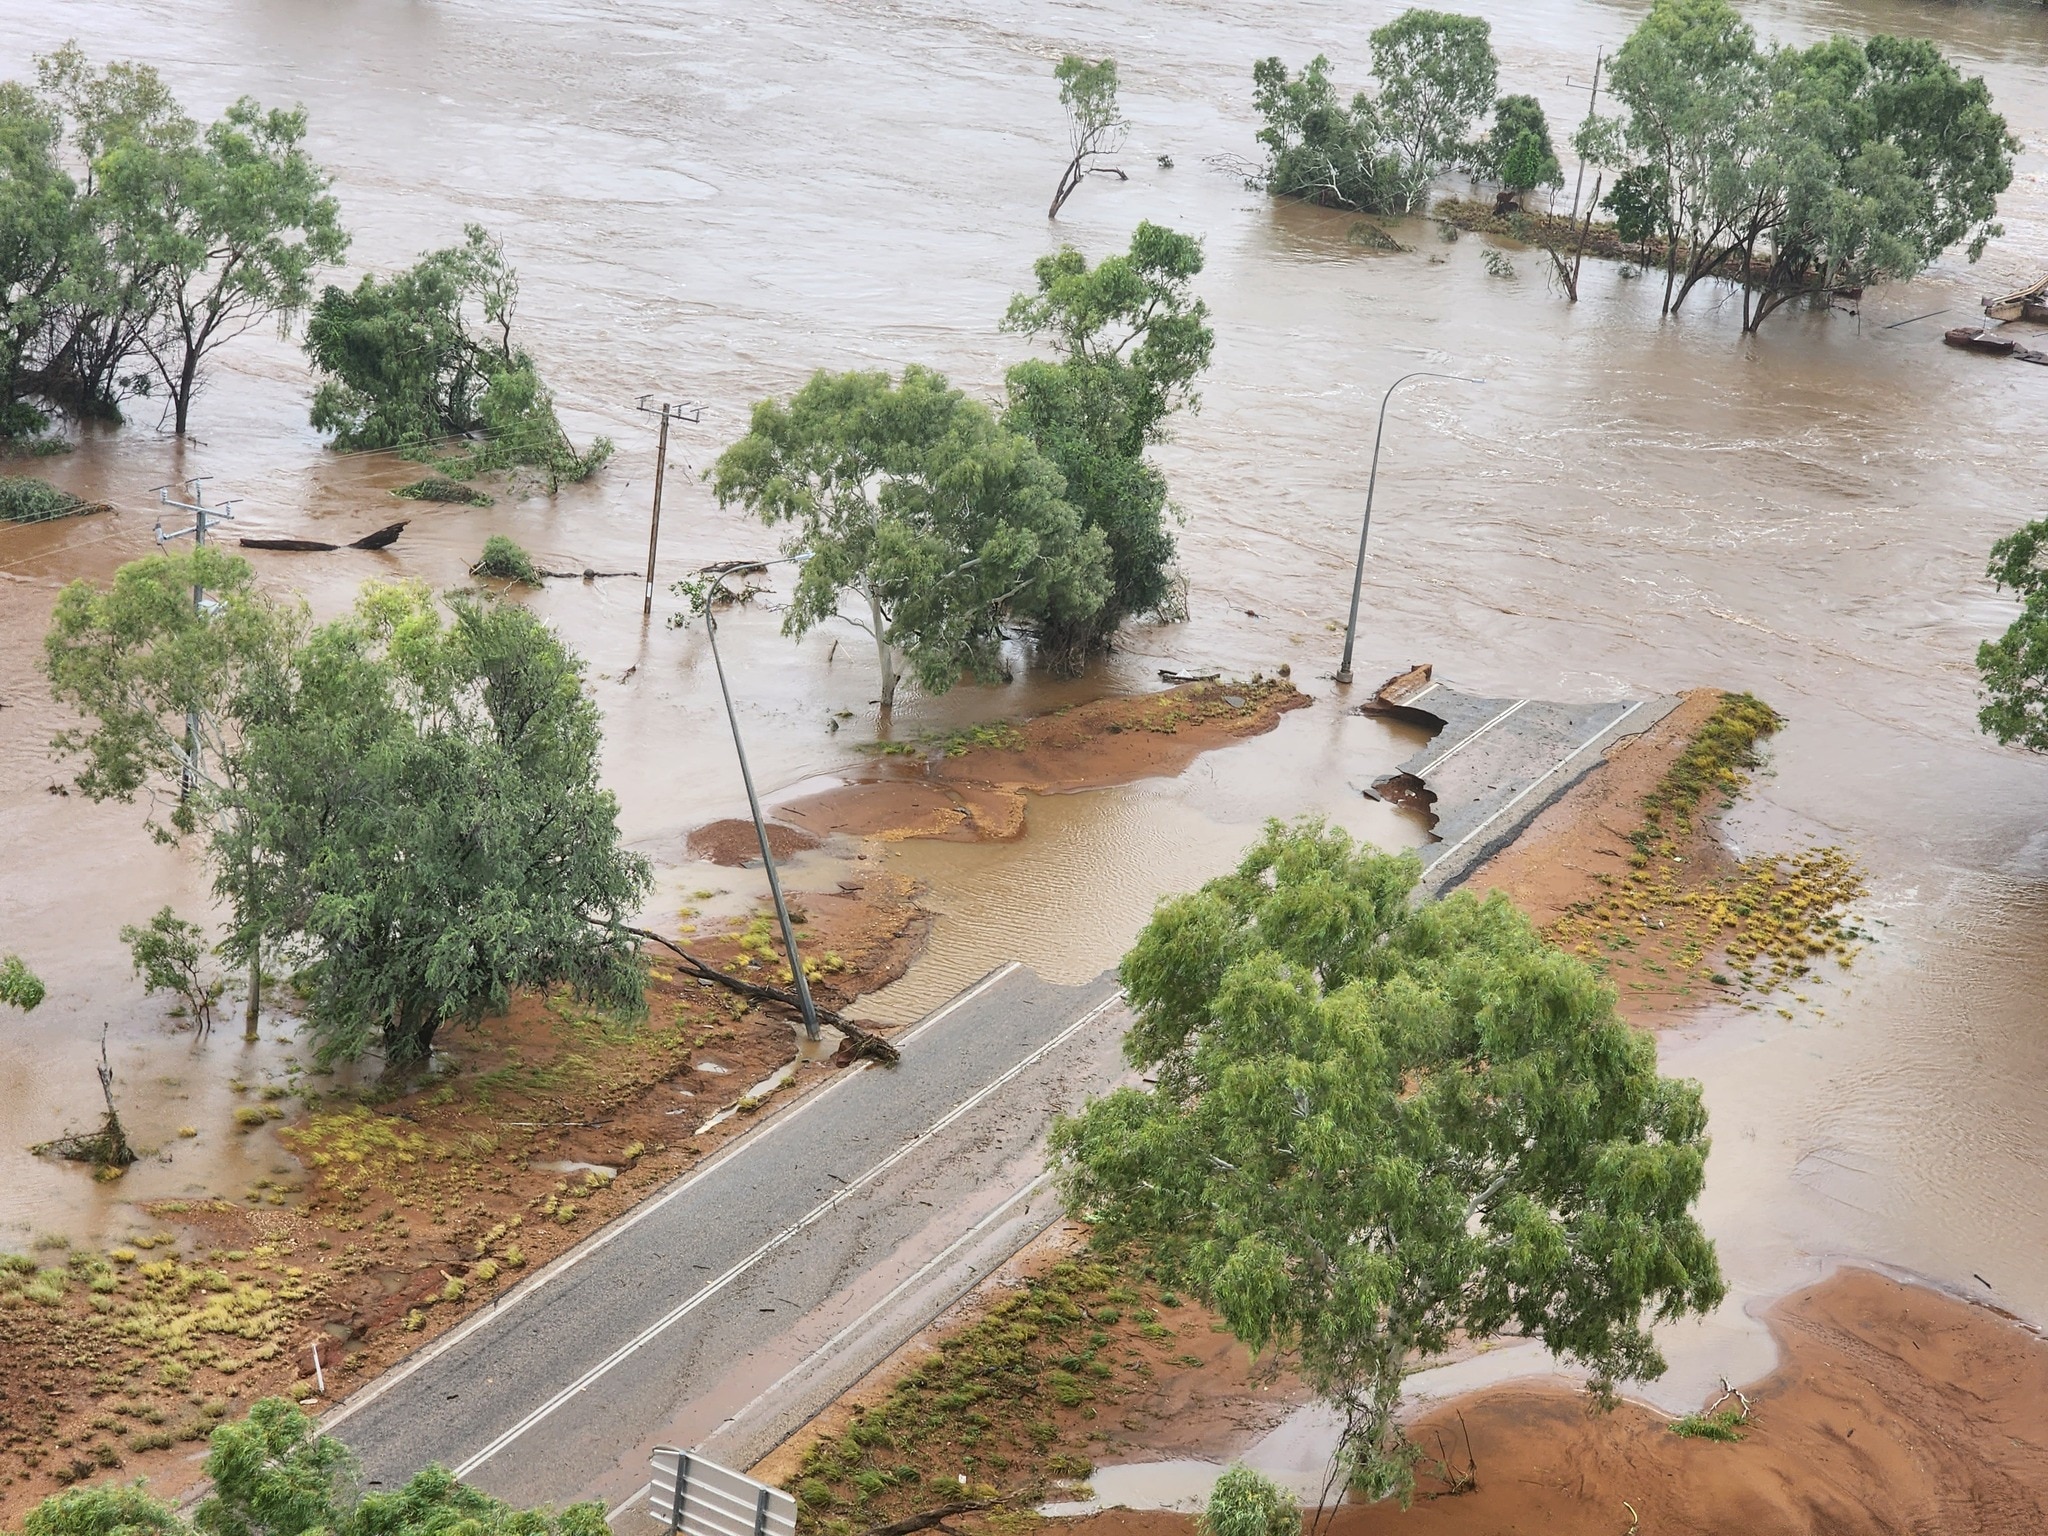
{"x":874,"y":1047}
{"x":383,"y":538}
{"x":106,"y":1147}
{"x":926,"y":1519}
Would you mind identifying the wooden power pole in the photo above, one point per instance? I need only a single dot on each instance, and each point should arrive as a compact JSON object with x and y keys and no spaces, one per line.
{"x":669,"y":411}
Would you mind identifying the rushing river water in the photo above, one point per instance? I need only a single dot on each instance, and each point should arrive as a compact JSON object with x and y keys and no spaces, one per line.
{"x":711,"y":201}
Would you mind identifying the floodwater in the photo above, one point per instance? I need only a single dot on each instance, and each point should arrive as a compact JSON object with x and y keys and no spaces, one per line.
{"x":711,"y":201}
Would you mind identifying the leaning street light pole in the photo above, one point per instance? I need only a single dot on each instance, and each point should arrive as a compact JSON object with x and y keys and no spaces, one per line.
{"x":796,"y":964}
{"x":669,"y":411}
{"x":1365,"y":527}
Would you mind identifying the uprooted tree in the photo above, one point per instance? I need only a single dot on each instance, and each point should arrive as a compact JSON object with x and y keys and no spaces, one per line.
{"x":942,"y":523}
{"x":1377,"y":1127}
{"x":1130,"y":339}
{"x":424,"y":358}
{"x":1095,"y":124}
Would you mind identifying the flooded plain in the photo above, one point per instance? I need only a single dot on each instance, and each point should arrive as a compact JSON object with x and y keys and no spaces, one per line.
{"x":711,"y":202}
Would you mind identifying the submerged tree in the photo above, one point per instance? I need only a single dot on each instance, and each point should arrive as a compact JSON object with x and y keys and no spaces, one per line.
{"x":166,"y":955}
{"x":2014,"y":667}
{"x":1131,"y":339}
{"x":180,"y":240}
{"x":912,"y":498}
{"x":414,"y":360}
{"x":1378,"y":154}
{"x":1798,"y":172}
{"x":1377,"y":1127}
{"x":1095,"y":124}
{"x":20,"y":987}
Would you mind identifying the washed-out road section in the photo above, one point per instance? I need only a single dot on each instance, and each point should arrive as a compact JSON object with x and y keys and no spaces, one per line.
{"x":727,"y":1309}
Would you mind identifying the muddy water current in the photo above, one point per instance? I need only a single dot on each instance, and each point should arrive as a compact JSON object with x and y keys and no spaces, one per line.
{"x":709,"y":201}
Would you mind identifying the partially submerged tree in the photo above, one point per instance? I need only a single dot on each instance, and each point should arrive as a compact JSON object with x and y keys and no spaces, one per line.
{"x":1436,"y":73}
{"x":1379,"y":154}
{"x":1131,"y":339}
{"x":1377,"y":1127}
{"x":177,"y":240}
{"x":1095,"y":124}
{"x":421,"y":820}
{"x":167,"y":955}
{"x":412,"y":361}
{"x":1798,"y":172}
{"x":19,"y":986}
{"x":2014,"y":667}
{"x":405,"y":798}
{"x":908,"y":496}
{"x":246,"y":218}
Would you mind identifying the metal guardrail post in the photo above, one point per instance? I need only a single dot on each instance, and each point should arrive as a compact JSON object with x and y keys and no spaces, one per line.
{"x":761,"y":1513}
{"x":675,"y":1514}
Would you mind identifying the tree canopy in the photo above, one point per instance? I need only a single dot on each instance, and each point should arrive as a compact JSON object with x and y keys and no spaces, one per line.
{"x":1436,"y":73}
{"x":20,"y":987}
{"x":2014,"y":667}
{"x":914,"y":499}
{"x":1131,"y":339}
{"x":427,"y":355}
{"x":421,"y":819}
{"x":1378,"y":1125}
{"x":136,"y":244}
{"x":405,"y":798}
{"x":1798,"y":172}
{"x":273,"y":1474}
{"x":1095,"y":124}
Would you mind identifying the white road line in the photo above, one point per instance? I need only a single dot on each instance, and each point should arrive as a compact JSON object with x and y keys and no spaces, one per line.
{"x":810,"y":1218}
{"x":1555,"y":768}
{"x":560,"y":1267}
{"x":1437,"y":762}
{"x":1036,"y":1186}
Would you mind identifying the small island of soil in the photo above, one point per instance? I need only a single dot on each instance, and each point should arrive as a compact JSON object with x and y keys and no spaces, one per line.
{"x":970,"y":787}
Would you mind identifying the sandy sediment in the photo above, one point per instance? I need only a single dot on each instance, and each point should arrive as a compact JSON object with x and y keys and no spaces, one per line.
{"x":1894,"y":1409}
{"x":972,"y":788}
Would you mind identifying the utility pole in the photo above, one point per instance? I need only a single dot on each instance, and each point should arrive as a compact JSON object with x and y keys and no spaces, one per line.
{"x":1578,"y":186}
{"x":796,"y":964}
{"x":203,"y":517}
{"x":689,"y":415}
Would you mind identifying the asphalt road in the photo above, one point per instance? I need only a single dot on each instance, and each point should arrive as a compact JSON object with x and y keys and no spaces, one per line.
{"x":1496,"y":763}
{"x":742,"y":1298}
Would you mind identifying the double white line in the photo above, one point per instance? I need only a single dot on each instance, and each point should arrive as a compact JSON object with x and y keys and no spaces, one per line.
{"x":528,"y":1289}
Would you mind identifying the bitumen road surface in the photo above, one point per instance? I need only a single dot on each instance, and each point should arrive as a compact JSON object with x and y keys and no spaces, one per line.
{"x":1496,"y":764}
{"x":728,"y":1308}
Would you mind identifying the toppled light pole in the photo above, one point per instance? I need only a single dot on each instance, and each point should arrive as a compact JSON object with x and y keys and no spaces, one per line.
{"x":690,"y":415}
{"x":796,"y":963}
{"x":1364,"y":528}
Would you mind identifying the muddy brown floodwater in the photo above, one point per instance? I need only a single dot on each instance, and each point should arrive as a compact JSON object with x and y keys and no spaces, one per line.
{"x":714,"y":200}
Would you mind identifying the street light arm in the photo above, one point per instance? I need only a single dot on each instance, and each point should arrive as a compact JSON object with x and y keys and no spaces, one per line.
{"x":1371,"y":484}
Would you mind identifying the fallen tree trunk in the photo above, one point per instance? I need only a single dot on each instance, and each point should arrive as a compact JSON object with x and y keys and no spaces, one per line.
{"x":864,"y":1044}
{"x":924,"y":1521}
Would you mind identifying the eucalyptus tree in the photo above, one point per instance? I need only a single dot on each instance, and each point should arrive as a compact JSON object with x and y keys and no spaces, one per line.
{"x":1436,"y":72}
{"x":915,"y":501}
{"x":1377,"y":1127}
{"x":1130,"y":339}
{"x":1095,"y":123}
{"x":2014,"y":667}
